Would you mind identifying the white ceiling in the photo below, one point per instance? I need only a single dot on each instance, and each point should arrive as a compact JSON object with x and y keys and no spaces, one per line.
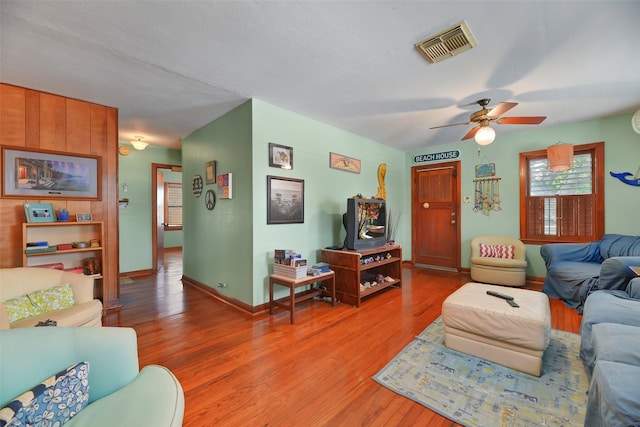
{"x":171,"y":67}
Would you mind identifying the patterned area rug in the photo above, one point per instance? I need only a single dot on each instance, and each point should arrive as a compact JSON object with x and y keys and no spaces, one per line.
{"x":474,"y":392}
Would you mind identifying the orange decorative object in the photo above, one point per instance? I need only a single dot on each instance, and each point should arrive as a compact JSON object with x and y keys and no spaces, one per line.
{"x":560,"y":157}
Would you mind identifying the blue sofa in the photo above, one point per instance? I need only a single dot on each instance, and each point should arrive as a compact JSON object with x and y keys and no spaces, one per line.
{"x":119,"y":394}
{"x":610,"y":351}
{"x":574,"y":270}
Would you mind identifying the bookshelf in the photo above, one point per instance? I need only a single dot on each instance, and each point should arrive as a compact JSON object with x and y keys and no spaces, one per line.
{"x":65,"y":233}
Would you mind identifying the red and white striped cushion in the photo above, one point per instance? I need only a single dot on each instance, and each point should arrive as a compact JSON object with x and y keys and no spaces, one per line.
{"x":497,"y":251}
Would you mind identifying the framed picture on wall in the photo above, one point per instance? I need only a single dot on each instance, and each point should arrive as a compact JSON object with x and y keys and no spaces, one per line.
{"x":42,"y":174}
{"x":285,"y":200}
{"x":280,"y":156}
{"x":210,"y":172}
{"x":344,"y":163}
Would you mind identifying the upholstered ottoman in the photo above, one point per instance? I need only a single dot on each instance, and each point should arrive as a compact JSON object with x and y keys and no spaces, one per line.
{"x":488,"y":327}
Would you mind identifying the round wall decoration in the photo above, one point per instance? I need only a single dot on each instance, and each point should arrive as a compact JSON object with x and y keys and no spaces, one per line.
{"x":635,"y":121}
{"x":210,"y":199}
{"x":197,"y":185}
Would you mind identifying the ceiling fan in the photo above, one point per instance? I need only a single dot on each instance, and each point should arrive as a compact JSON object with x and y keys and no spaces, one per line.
{"x":483,"y":133}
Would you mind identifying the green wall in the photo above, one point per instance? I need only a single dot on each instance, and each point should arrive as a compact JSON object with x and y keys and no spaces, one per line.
{"x":134,"y":170}
{"x":233,"y":243}
{"x":326,"y":190}
{"x":622,"y":154}
{"x":218,"y":244}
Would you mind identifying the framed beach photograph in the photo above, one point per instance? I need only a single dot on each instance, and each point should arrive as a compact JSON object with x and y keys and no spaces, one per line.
{"x":285,"y":200}
{"x":344,"y":163}
{"x":39,"y":212}
{"x":280,"y":156}
{"x":28,"y":173}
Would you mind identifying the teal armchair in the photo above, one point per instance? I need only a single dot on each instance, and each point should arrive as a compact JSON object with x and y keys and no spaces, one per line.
{"x":119,"y":394}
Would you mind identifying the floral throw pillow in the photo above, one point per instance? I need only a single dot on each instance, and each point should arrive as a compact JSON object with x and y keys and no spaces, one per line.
{"x":55,"y":298}
{"x":497,"y":251}
{"x":51,"y":403}
{"x":20,"y":308}
{"x":39,"y":302}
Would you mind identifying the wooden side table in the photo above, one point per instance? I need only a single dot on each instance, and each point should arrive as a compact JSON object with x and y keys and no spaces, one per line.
{"x":290,"y":302}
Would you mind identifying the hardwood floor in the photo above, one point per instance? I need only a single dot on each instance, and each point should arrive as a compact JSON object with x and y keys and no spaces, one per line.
{"x":238,"y":370}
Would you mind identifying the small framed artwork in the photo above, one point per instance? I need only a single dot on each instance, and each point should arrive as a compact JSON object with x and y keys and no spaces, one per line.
{"x":210,"y":172}
{"x":344,"y":163}
{"x":280,"y":156}
{"x":225,"y":186}
{"x":39,"y":212}
{"x":285,"y":200}
{"x":84,"y":217}
{"x":485,"y":170}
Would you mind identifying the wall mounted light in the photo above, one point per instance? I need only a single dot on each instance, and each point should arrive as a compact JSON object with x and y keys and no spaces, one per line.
{"x":560,"y":157}
{"x":485,"y":135}
{"x":138,"y":143}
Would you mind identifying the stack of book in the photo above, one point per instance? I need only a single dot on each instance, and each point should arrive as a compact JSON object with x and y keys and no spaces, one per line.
{"x":288,"y":263}
{"x":319,"y":268}
{"x":39,"y":247}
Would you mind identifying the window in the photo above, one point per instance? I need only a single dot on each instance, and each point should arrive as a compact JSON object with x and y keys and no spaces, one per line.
{"x":172,"y":206}
{"x":565,"y":206}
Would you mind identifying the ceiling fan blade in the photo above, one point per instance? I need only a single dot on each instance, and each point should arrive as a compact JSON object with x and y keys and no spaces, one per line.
{"x":501,"y":108}
{"x":471,"y":133}
{"x":452,"y":124}
{"x":532,"y":120}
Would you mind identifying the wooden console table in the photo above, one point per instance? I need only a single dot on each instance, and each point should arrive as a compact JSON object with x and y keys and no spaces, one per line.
{"x":354,"y":268}
{"x":292,"y":284}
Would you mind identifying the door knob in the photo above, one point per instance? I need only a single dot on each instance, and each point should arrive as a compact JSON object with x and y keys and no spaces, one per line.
{"x":425,"y":205}
{"x":453,"y":221}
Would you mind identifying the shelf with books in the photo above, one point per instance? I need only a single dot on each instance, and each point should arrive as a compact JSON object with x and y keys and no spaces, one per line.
{"x":63,"y":244}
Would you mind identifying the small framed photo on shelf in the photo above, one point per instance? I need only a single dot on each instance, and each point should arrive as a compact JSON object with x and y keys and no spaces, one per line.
{"x":84,"y":217}
{"x":210,"y":172}
{"x":280,"y":156}
{"x":285,"y":200}
{"x":39,"y":212}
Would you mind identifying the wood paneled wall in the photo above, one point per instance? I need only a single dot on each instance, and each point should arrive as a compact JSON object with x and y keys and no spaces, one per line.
{"x":33,"y":119}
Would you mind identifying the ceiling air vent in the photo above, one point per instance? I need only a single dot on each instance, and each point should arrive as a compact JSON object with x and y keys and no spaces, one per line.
{"x":450,"y":42}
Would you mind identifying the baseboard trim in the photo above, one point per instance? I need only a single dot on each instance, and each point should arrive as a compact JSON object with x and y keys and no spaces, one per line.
{"x":136,"y":273}
{"x":233,"y":302}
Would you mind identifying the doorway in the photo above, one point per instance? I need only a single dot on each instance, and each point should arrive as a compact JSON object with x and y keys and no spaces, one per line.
{"x":158,"y":222}
{"x":435,"y":208}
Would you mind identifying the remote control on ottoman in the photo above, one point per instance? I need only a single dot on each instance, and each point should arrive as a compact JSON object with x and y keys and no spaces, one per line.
{"x":507,"y":298}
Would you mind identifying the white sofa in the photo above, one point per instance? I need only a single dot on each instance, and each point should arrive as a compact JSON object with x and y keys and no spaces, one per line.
{"x":15,"y":282}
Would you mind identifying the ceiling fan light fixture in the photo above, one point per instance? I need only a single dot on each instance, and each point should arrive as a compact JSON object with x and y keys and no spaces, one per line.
{"x":138,"y":143}
{"x":560,"y":157}
{"x":485,"y":135}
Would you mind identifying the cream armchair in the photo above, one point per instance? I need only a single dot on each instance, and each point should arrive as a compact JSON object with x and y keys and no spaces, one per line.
{"x":499,"y":260}
{"x":20,"y":281}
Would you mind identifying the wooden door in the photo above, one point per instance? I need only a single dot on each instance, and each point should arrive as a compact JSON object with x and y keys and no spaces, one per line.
{"x":157,"y":213}
{"x":159,"y":266}
{"x":435,"y":215}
